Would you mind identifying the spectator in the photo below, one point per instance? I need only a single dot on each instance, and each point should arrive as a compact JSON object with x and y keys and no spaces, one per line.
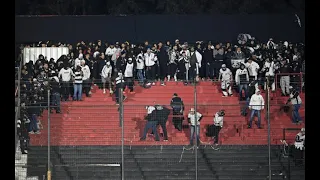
{"x":269,"y":70}
{"x":140,"y":67}
{"x":177,"y":109}
{"x":106,"y":77}
{"x":285,"y":69}
{"x":242,"y":80}
{"x":225,"y":76}
{"x":65,"y":74}
{"x":183,"y":63}
{"x":163,"y":60}
{"x":218,"y":124}
{"x":251,"y":91}
{"x":128,"y":74}
{"x":120,"y":84}
{"x":194,"y":119}
{"x":209,"y":62}
{"x":78,"y":75}
{"x":238,"y":54}
{"x":162,"y":114}
{"x":256,"y":105}
{"x":218,"y":56}
{"x":55,"y":94}
{"x":86,"y":78}
{"x":194,"y":65}
{"x":296,"y":103}
{"x":253,"y":69}
{"x":151,"y":123}
{"x":150,"y":59}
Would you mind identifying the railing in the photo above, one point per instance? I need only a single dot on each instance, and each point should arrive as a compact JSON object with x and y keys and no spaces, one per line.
{"x":86,"y":136}
{"x":296,"y":82}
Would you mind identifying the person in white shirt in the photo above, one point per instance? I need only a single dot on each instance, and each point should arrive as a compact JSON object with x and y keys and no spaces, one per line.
{"x":253,"y":69}
{"x":269,"y":70}
{"x":296,"y":102}
{"x":194,"y":119}
{"x":256,"y":105}
{"x":86,"y":78}
{"x":120,"y":84}
{"x":110,"y":51}
{"x":150,"y":59}
{"x":106,"y":74}
{"x":129,"y":74}
{"x":140,"y":67}
{"x":225,"y":76}
{"x":77,"y":62}
{"x":65,"y":74}
{"x":218,"y":124}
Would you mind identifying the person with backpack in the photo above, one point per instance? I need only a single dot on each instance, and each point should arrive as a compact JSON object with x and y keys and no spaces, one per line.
{"x":177,"y":109}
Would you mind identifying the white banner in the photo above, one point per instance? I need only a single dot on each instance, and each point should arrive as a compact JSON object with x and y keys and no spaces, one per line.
{"x":32,"y":53}
{"x":235,"y":63}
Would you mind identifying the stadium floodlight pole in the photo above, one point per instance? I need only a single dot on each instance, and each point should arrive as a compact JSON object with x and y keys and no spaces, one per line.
{"x":49,"y":171}
{"x":269,"y":136}
{"x":122,"y":132}
{"x":196,"y":127}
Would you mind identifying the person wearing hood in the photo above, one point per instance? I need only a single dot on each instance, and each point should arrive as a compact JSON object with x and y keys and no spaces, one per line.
{"x":256,"y":105}
{"x":77,"y":61}
{"x":225,"y":76}
{"x":129,"y":74}
{"x":65,"y":74}
{"x":121,"y":62}
{"x":242,"y":80}
{"x":120,"y":84}
{"x":86,"y":77}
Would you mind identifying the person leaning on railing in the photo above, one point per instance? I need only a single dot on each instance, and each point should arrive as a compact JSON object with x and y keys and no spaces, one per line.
{"x":296,"y":102}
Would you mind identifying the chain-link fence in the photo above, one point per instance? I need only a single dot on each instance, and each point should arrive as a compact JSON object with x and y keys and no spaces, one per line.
{"x":96,"y":139}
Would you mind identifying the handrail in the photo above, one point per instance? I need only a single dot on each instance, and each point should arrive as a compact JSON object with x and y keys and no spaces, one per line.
{"x":291,"y":129}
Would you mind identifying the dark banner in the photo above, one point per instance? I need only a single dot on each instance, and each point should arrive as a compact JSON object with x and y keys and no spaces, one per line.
{"x":158,"y":28}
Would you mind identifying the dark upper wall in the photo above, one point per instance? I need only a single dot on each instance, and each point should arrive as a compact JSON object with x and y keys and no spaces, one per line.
{"x":158,"y":28}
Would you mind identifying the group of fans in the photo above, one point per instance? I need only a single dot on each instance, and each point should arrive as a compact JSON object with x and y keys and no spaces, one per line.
{"x":112,"y":66}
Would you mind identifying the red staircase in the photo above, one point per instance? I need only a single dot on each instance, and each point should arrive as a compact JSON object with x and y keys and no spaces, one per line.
{"x":95,"y":121}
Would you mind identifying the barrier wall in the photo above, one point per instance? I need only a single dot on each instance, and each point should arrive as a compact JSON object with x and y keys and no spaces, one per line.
{"x":158,"y":28}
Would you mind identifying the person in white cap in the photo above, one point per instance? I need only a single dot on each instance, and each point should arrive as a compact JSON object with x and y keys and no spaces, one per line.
{"x":194,"y":119}
{"x":256,"y":105}
{"x":296,"y":102}
{"x":106,"y":74}
{"x":225,"y":76}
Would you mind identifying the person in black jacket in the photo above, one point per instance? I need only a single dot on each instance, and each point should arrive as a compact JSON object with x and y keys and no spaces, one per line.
{"x":55,"y":94}
{"x":208,"y":59}
{"x":33,"y":111}
{"x":101,"y":62}
{"x":151,"y":123}
{"x":177,"y":108}
{"x":163,"y":60}
{"x":162,"y":114}
{"x":251,"y":91}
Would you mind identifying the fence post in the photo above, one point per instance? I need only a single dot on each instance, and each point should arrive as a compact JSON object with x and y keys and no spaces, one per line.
{"x":195,"y":116}
{"x":122,"y":131}
{"x":49,"y":170}
{"x":18,"y":105}
{"x":269,"y":135}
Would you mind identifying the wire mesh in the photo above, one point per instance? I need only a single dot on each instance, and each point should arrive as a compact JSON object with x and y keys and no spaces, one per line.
{"x":86,"y":136}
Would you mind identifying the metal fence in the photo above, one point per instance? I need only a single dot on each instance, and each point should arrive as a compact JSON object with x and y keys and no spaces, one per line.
{"x":96,"y":139}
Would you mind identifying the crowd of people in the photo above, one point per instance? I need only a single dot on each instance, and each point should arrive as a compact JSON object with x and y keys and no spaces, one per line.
{"x":112,"y":66}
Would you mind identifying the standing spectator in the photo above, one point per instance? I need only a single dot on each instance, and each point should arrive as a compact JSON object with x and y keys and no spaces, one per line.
{"x":218,"y":124}
{"x":140,"y":67}
{"x":225,"y":76}
{"x":150,"y":59}
{"x":194,"y":119}
{"x":251,"y":91}
{"x":120,"y":84}
{"x":173,"y":60}
{"x":33,"y":112}
{"x":163,"y":60}
{"x":209,"y":62}
{"x":183,"y":63}
{"x":242,"y":80}
{"x":77,"y":85}
{"x":285,"y":69}
{"x":218,"y":55}
{"x":256,"y":105}
{"x":65,"y":74}
{"x":162,"y":117}
{"x":269,"y":70}
{"x":128,"y":74}
{"x":299,"y":147}
{"x":177,"y":108}
{"x":55,"y":91}
{"x":86,"y":77}
{"x":194,"y":65}
{"x":106,"y":74}
{"x":253,"y":69}
{"x":296,"y":103}
{"x":101,"y":63}
{"x":121,"y":62}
